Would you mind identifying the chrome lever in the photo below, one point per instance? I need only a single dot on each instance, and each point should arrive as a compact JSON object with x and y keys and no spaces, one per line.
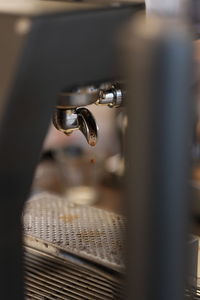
{"x":87,"y":125}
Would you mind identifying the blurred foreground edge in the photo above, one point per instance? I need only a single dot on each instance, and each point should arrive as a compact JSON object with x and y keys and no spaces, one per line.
{"x":159,"y":59}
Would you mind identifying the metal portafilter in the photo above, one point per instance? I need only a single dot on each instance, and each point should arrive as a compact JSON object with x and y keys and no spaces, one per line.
{"x":68,"y":120}
{"x":70,"y":115}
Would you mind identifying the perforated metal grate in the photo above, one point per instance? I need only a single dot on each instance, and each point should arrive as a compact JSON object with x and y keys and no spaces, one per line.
{"x":89,"y":232}
{"x":71,"y":251}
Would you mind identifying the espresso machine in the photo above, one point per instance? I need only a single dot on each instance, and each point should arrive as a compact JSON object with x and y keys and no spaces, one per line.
{"x":56,"y":59}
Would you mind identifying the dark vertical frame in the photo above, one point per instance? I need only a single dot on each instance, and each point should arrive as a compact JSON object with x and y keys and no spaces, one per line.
{"x":57,"y":52}
{"x":159,"y":108}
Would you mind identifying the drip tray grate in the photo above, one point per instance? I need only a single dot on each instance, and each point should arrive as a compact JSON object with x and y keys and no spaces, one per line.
{"x":72,"y":251}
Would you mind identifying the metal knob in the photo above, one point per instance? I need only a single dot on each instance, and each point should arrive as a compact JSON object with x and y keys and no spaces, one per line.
{"x":111,"y":96}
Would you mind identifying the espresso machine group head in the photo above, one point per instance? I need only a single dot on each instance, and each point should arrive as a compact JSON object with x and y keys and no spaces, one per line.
{"x":70,"y":114}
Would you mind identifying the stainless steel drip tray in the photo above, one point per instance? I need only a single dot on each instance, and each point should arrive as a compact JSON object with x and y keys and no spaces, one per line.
{"x":49,"y":277}
{"x":72,"y":251}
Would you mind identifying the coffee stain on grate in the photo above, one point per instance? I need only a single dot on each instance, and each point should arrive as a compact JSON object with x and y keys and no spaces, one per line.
{"x":69,"y":218}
